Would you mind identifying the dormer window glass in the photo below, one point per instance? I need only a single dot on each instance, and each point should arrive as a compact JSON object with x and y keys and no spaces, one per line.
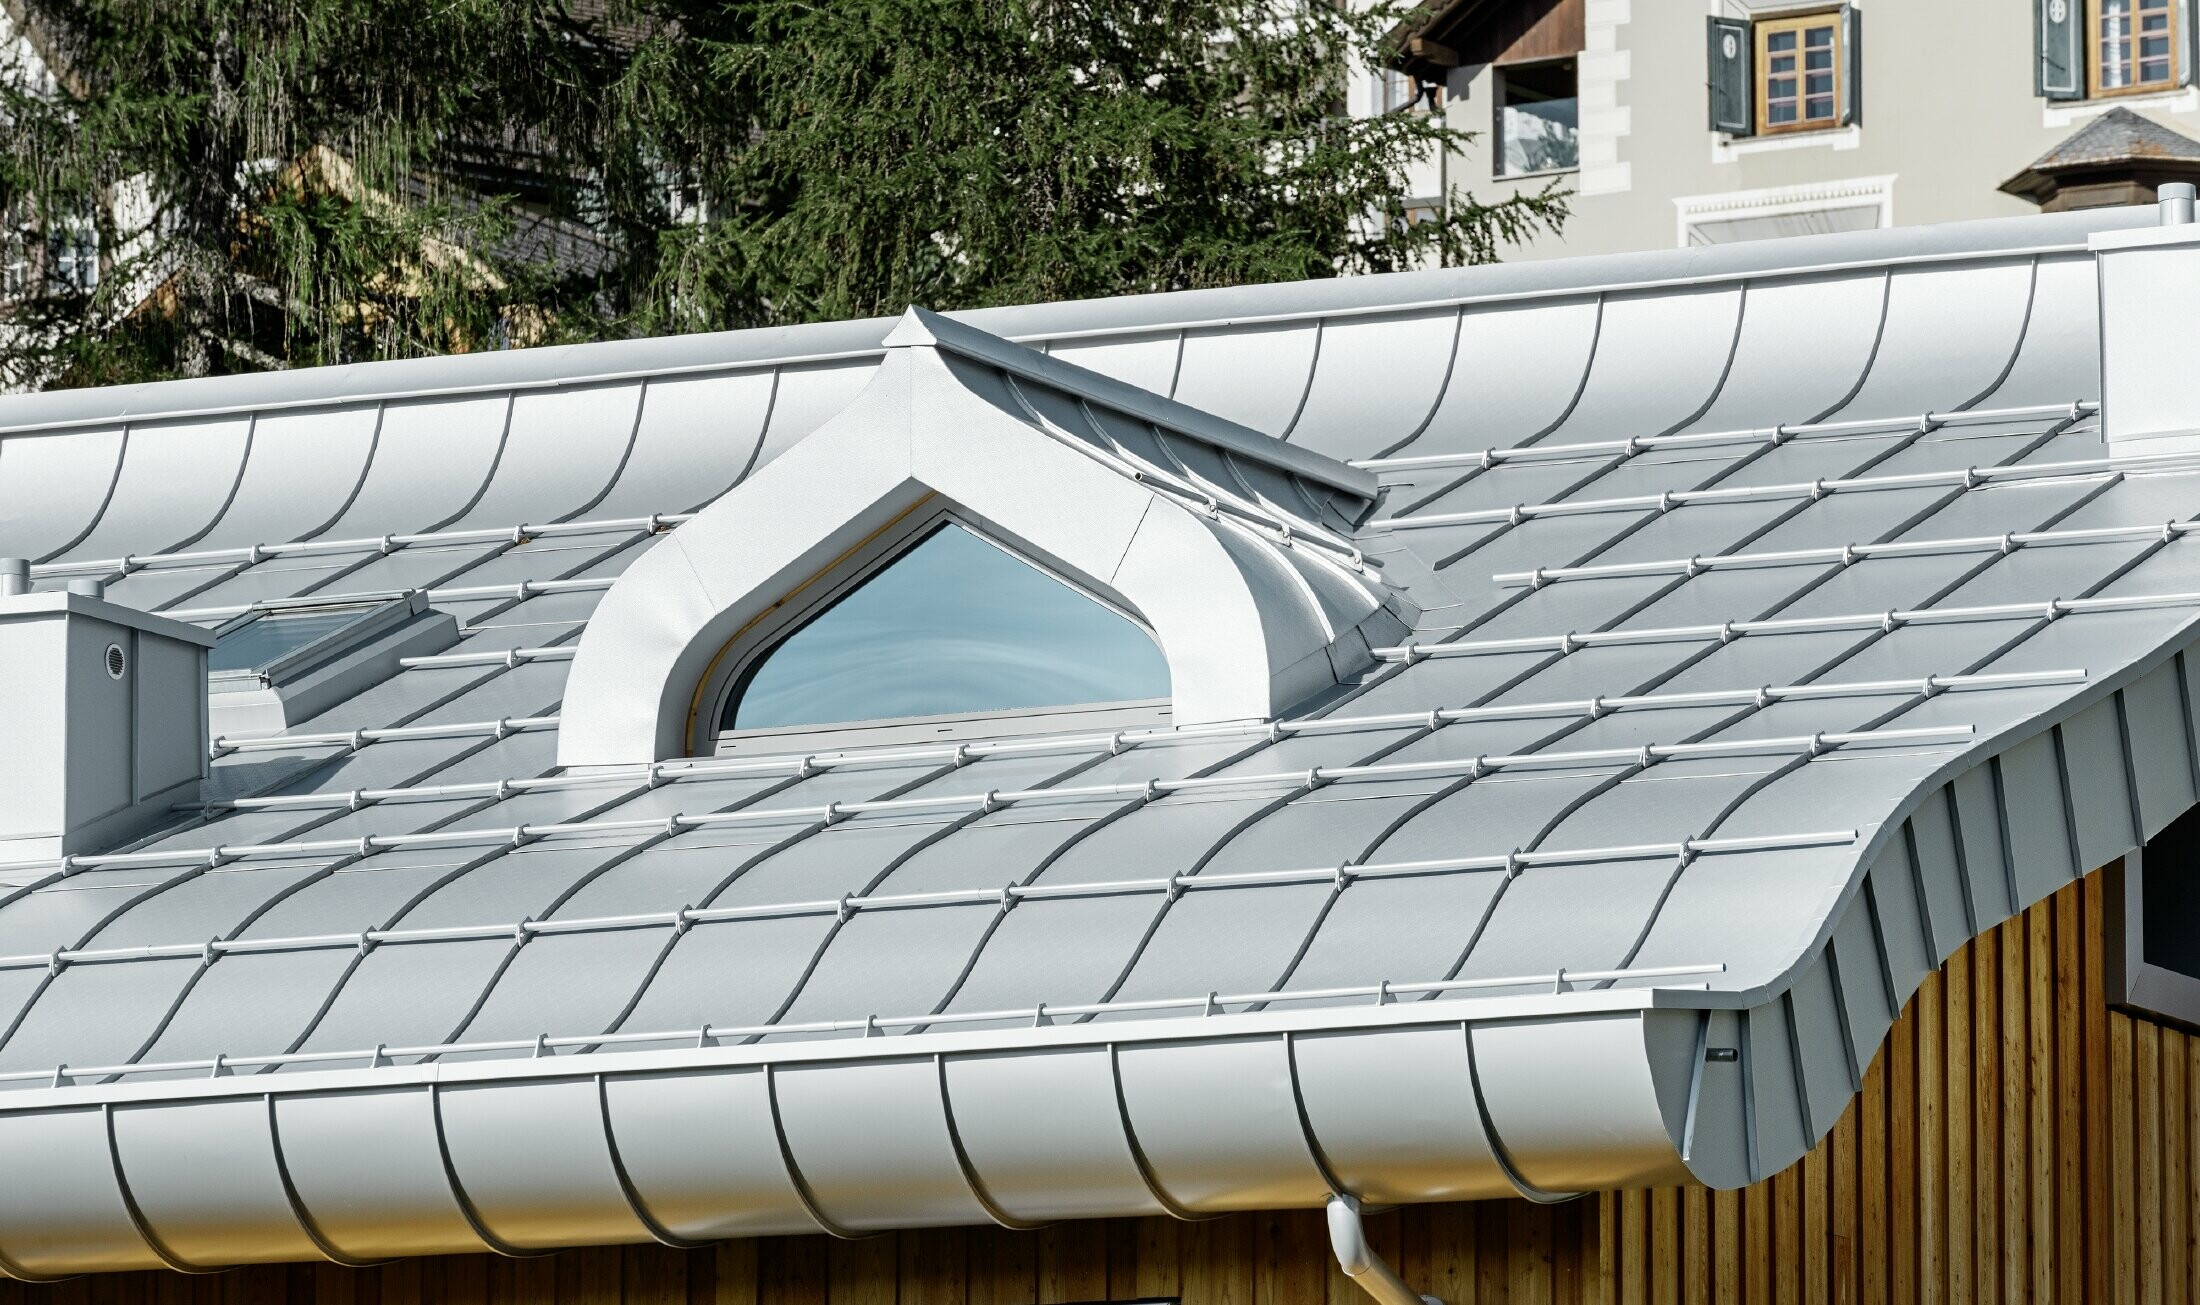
{"x":952,"y":625}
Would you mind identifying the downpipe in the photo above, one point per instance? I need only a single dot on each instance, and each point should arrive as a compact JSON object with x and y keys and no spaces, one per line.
{"x":1348,"y":1238}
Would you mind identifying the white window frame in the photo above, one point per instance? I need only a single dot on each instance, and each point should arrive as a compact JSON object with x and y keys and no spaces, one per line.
{"x":74,"y":252}
{"x":1781,"y":201}
{"x":15,"y":265}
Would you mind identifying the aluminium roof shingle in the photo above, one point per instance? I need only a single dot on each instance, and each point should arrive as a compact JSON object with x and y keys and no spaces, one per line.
{"x":1731,"y":575}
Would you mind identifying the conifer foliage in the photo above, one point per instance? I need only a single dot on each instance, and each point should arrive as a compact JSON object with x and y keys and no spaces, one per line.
{"x":267,"y":182}
{"x":274,"y":183}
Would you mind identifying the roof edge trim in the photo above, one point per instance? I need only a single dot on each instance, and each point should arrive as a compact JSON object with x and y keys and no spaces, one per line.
{"x":827,"y":343}
{"x":1684,"y":995}
{"x":920,"y":327}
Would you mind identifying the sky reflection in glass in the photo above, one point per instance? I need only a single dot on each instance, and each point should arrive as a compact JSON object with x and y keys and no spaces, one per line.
{"x":951,"y":627}
{"x":266,"y":639}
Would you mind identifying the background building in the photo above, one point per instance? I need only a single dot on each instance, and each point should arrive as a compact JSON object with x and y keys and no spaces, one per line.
{"x":1689,"y":124}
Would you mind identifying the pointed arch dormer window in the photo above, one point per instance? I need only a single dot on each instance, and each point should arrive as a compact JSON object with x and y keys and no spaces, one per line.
{"x":944,"y":624}
{"x":989,"y":541}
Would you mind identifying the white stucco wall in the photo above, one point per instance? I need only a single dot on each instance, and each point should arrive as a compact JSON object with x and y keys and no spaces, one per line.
{"x":1949,"y":114}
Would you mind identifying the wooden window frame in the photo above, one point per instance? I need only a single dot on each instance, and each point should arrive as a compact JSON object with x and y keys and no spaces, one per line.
{"x":1761,"y":32}
{"x":2093,"y":69}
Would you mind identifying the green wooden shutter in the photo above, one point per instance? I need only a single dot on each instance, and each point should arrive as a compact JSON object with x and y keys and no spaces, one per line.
{"x":2188,"y":44}
{"x":1729,"y":77}
{"x":1852,"y":72}
{"x":2058,"y":31}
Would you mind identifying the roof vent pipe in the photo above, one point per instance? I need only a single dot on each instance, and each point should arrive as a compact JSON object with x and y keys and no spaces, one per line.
{"x":2175,"y":200}
{"x":15,"y":576}
{"x":1348,"y":1238}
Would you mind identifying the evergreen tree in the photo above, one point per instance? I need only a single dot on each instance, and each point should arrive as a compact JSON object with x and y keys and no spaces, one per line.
{"x":271,"y":182}
{"x":290,"y":182}
{"x":859,"y":156}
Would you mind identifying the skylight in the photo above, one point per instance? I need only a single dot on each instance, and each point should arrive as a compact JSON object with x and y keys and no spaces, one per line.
{"x":278,"y":664}
{"x":262,"y":639}
{"x":955,"y":626}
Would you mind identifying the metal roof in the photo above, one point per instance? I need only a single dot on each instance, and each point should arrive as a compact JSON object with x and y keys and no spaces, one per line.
{"x":1779,"y":622}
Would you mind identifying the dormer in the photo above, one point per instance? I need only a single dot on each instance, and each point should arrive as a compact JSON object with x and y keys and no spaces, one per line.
{"x":1225,"y":552}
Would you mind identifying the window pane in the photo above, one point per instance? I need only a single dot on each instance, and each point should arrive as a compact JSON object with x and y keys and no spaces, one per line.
{"x":2153,"y":63}
{"x":1780,"y":79}
{"x":1538,"y":119}
{"x":259,"y":643}
{"x":1397,"y":91}
{"x":2116,"y":69}
{"x":2170,"y":912}
{"x":954,"y":626}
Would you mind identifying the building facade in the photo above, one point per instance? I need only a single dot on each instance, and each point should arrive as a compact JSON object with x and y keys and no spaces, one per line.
{"x":1687,"y":124}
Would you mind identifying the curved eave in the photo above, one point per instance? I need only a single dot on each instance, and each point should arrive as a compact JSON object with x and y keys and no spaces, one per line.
{"x":1995,"y":829}
{"x":1416,"y":1101}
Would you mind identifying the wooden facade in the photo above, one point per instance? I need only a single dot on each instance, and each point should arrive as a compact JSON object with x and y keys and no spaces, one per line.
{"x":1528,"y":33}
{"x":2016,"y":1139}
{"x":1499,"y":32}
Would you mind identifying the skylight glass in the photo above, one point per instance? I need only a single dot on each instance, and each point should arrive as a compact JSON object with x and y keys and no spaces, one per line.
{"x":955,"y":626}
{"x":260,"y":642}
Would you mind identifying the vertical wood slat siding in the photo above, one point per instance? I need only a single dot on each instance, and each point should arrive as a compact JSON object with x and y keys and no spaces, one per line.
{"x":2014,"y":1139}
{"x":2017,"y":1140}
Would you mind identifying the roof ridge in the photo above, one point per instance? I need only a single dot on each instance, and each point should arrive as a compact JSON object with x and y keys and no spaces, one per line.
{"x":921,"y":328}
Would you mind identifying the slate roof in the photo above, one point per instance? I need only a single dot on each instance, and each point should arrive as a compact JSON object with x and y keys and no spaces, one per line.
{"x":1781,"y":622}
{"x":2118,"y":136}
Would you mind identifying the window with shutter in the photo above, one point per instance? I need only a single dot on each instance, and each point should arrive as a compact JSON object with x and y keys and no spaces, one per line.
{"x":1729,"y":78}
{"x":1789,"y":72}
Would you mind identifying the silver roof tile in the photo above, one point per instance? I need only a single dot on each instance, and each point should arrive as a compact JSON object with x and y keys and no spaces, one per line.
{"x":1577,"y":865}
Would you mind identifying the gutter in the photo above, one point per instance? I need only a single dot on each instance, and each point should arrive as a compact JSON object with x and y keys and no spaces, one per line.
{"x":1411,"y":1101}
